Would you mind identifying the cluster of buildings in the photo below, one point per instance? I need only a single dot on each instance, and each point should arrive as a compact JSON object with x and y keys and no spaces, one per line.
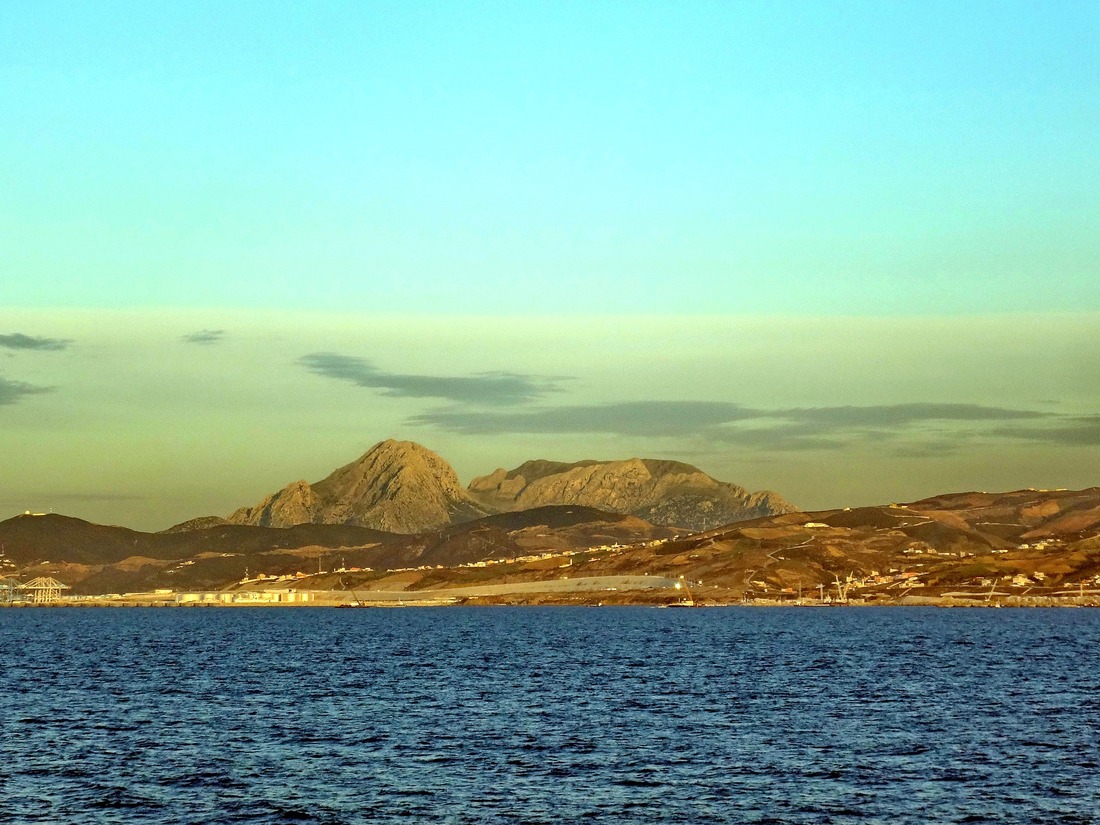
{"x":288,"y":596}
{"x":922,"y":549}
{"x":565,"y":555}
{"x":533,"y":557}
{"x":553,"y":554}
{"x":891,"y":578}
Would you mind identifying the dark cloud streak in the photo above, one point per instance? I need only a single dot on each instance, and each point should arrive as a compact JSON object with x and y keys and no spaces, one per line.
{"x":908,"y":429}
{"x":493,"y":388}
{"x":11,"y":392}
{"x":204,"y":336}
{"x":17,"y":340}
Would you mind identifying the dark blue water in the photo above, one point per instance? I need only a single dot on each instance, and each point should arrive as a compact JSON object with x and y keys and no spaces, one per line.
{"x":549,"y":715}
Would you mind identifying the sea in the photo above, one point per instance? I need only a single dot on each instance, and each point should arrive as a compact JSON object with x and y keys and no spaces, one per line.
{"x":549,"y":715}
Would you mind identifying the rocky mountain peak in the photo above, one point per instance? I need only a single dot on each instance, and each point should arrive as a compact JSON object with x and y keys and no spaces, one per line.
{"x":397,"y":486}
{"x":391,"y":469}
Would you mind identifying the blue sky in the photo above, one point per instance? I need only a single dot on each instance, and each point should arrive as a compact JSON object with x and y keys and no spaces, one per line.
{"x":552,"y":157}
{"x":801,"y":229}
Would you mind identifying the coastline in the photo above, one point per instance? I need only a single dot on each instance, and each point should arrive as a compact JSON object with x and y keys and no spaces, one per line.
{"x":597,"y":591}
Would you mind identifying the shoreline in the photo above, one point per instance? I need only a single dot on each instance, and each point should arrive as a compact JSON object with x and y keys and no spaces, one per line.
{"x":579,"y":591}
{"x":437,"y":599}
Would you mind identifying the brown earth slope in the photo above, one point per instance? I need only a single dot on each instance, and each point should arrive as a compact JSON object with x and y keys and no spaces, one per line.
{"x":967,"y":547}
{"x":100,"y":559}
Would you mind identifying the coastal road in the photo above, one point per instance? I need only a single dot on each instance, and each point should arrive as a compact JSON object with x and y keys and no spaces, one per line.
{"x":581,"y":584}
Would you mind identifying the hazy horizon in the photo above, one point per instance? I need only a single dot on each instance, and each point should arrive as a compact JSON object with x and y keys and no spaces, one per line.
{"x":845,"y":251}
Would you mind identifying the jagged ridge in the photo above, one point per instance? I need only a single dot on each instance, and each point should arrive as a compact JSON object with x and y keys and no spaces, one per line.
{"x":661,"y":492}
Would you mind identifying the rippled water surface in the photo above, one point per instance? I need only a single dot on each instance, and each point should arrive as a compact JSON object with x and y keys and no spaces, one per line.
{"x":549,"y":715}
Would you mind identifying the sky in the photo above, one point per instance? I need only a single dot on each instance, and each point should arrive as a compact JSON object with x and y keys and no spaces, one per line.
{"x":847,"y":251}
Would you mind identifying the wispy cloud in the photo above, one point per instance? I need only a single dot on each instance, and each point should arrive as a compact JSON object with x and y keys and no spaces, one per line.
{"x":17,"y":340}
{"x":204,"y":336}
{"x":653,"y":418}
{"x":12,"y":392}
{"x":907,"y":430}
{"x":911,"y":429}
{"x":490,"y":388}
{"x":67,"y":498}
{"x":895,"y":415}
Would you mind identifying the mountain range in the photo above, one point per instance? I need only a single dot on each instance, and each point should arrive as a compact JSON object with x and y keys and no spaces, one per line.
{"x":398,"y":518}
{"x":402,"y":487}
{"x":1025,"y":543}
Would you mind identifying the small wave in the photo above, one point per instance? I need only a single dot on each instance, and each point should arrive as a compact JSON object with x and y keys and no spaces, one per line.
{"x":631,"y":782}
{"x":123,"y":799}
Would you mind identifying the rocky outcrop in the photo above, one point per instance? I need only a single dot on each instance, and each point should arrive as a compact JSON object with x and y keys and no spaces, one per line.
{"x":200,"y":523}
{"x":294,"y":504}
{"x":397,"y":486}
{"x":661,"y":492}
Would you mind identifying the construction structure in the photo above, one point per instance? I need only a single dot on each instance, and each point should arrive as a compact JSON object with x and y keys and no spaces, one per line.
{"x":43,"y":590}
{"x":9,"y":590}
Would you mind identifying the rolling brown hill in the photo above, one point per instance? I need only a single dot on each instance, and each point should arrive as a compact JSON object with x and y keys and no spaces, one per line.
{"x":99,"y":559}
{"x":30,"y":539}
{"x":967,"y":546}
{"x":34,"y":538}
{"x":511,"y":535}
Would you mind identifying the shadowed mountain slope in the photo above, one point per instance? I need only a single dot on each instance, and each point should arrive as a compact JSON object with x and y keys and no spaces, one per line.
{"x":55,"y":538}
